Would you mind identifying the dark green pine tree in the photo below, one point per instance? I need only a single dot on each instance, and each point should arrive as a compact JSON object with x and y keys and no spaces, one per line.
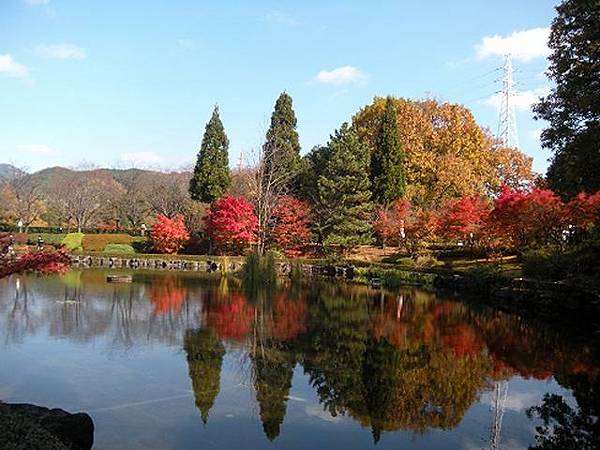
{"x":282,"y":147}
{"x":388,"y":177}
{"x":210,"y":179}
{"x":344,"y":190}
{"x":573,"y":106}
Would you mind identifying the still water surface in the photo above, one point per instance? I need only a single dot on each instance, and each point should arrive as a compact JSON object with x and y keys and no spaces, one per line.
{"x":181,"y":361}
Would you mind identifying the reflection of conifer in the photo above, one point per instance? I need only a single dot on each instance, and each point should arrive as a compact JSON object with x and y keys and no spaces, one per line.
{"x":273,"y":380}
{"x":335,"y":353}
{"x":204,"y":356}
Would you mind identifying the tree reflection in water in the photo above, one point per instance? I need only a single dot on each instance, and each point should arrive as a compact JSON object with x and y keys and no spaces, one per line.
{"x":391,"y":361}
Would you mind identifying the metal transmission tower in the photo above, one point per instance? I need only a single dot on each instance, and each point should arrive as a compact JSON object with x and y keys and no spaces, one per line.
{"x":497,"y":406}
{"x":507,"y":123}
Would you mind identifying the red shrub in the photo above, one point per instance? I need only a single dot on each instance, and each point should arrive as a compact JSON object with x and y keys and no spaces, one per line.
{"x":169,"y":235}
{"x":291,"y":225}
{"x":47,"y":262}
{"x":231,"y":222}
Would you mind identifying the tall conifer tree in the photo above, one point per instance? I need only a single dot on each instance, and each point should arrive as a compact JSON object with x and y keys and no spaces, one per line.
{"x":282,"y":146}
{"x":210,"y":179}
{"x":572,"y":109}
{"x":344,"y":190}
{"x":388,"y":178}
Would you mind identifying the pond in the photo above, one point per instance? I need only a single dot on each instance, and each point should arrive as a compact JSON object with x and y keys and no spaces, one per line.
{"x":182,"y":361}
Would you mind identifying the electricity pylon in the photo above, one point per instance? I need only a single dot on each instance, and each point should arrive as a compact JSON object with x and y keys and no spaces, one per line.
{"x":507,"y":122}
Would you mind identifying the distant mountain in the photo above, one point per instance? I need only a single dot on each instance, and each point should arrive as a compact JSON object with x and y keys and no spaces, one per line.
{"x":9,"y":172}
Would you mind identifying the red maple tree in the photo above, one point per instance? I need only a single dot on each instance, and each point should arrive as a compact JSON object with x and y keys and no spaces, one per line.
{"x":463,"y":218}
{"x":231,"y":222}
{"x":169,"y":235}
{"x":521,"y":219}
{"x":389,"y":222}
{"x":291,"y":219}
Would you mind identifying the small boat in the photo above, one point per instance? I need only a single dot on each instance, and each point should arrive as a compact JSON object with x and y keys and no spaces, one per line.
{"x":119,"y":278}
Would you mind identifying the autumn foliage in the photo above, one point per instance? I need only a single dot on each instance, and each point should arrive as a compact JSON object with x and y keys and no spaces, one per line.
{"x":389,"y":222}
{"x":231,"y":222}
{"x":42,"y":262}
{"x":291,"y":225}
{"x":463,"y":218}
{"x":169,"y":235}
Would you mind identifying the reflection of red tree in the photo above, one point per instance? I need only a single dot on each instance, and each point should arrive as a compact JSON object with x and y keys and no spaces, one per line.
{"x":231,"y":318}
{"x":289,"y":318}
{"x":463,"y":340}
{"x":166,"y":296}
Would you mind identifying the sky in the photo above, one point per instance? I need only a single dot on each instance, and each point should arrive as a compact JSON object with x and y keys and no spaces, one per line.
{"x":127,"y":83}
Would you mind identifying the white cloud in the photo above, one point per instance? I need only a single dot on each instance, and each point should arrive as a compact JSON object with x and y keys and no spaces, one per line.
{"x":341,"y":75}
{"x":37,"y":2}
{"x":522,"y":45}
{"x":36,"y":149}
{"x":140,"y":158}
{"x":523,"y":100}
{"x":11,"y":68}
{"x":63,"y":51}
{"x":318,"y":412}
{"x":281,"y":18}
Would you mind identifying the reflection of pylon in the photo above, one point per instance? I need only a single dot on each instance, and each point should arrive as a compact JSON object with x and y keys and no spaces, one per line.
{"x":497,"y":409}
{"x":507,"y":122}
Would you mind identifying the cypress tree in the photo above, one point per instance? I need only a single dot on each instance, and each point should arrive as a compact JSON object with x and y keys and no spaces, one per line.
{"x":211,"y":173}
{"x":388,"y":177}
{"x":344,"y":190}
{"x":282,"y":146}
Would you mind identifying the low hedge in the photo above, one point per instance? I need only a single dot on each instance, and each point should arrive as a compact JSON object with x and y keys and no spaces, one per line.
{"x":119,"y":248}
{"x":72,"y":241}
{"x":98,"y":242}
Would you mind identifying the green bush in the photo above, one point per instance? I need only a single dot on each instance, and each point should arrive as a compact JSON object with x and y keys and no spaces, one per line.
{"x":260,"y":270}
{"x":72,"y":241}
{"x":142,"y":244}
{"x":97,"y":242}
{"x":544,"y":264}
{"x":119,"y":248}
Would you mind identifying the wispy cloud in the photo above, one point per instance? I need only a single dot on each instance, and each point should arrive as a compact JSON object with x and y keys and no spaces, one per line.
{"x":63,"y":51}
{"x":281,"y":18}
{"x":522,"y":100}
{"x":522,"y":45}
{"x":36,"y":149}
{"x":140,"y":158}
{"x":341,"y":75}
{"x":11,"y":68}
{"x":37,"y":2}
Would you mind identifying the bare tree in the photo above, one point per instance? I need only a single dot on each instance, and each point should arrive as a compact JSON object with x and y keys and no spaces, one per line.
{"x":84,"y":197}
{"x":167,"y":193}
{"x":28,"y":199}
{"x":271,"y":183}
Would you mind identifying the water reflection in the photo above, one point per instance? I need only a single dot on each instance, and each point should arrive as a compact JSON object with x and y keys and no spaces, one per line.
{"x":401,"y":361}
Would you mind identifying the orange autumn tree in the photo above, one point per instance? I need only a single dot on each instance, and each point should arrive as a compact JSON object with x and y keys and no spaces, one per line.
{"x":169,"y":235}
{"x":448,"y":154}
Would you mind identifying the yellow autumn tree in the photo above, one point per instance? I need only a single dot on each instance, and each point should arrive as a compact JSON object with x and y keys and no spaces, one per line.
{"x":447,"y":153}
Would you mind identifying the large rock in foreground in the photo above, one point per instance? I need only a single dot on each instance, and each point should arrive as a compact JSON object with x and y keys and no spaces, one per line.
{"x":31,"y":427}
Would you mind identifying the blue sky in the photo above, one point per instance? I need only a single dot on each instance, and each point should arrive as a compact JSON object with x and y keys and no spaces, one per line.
{"x":122,"y":83}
